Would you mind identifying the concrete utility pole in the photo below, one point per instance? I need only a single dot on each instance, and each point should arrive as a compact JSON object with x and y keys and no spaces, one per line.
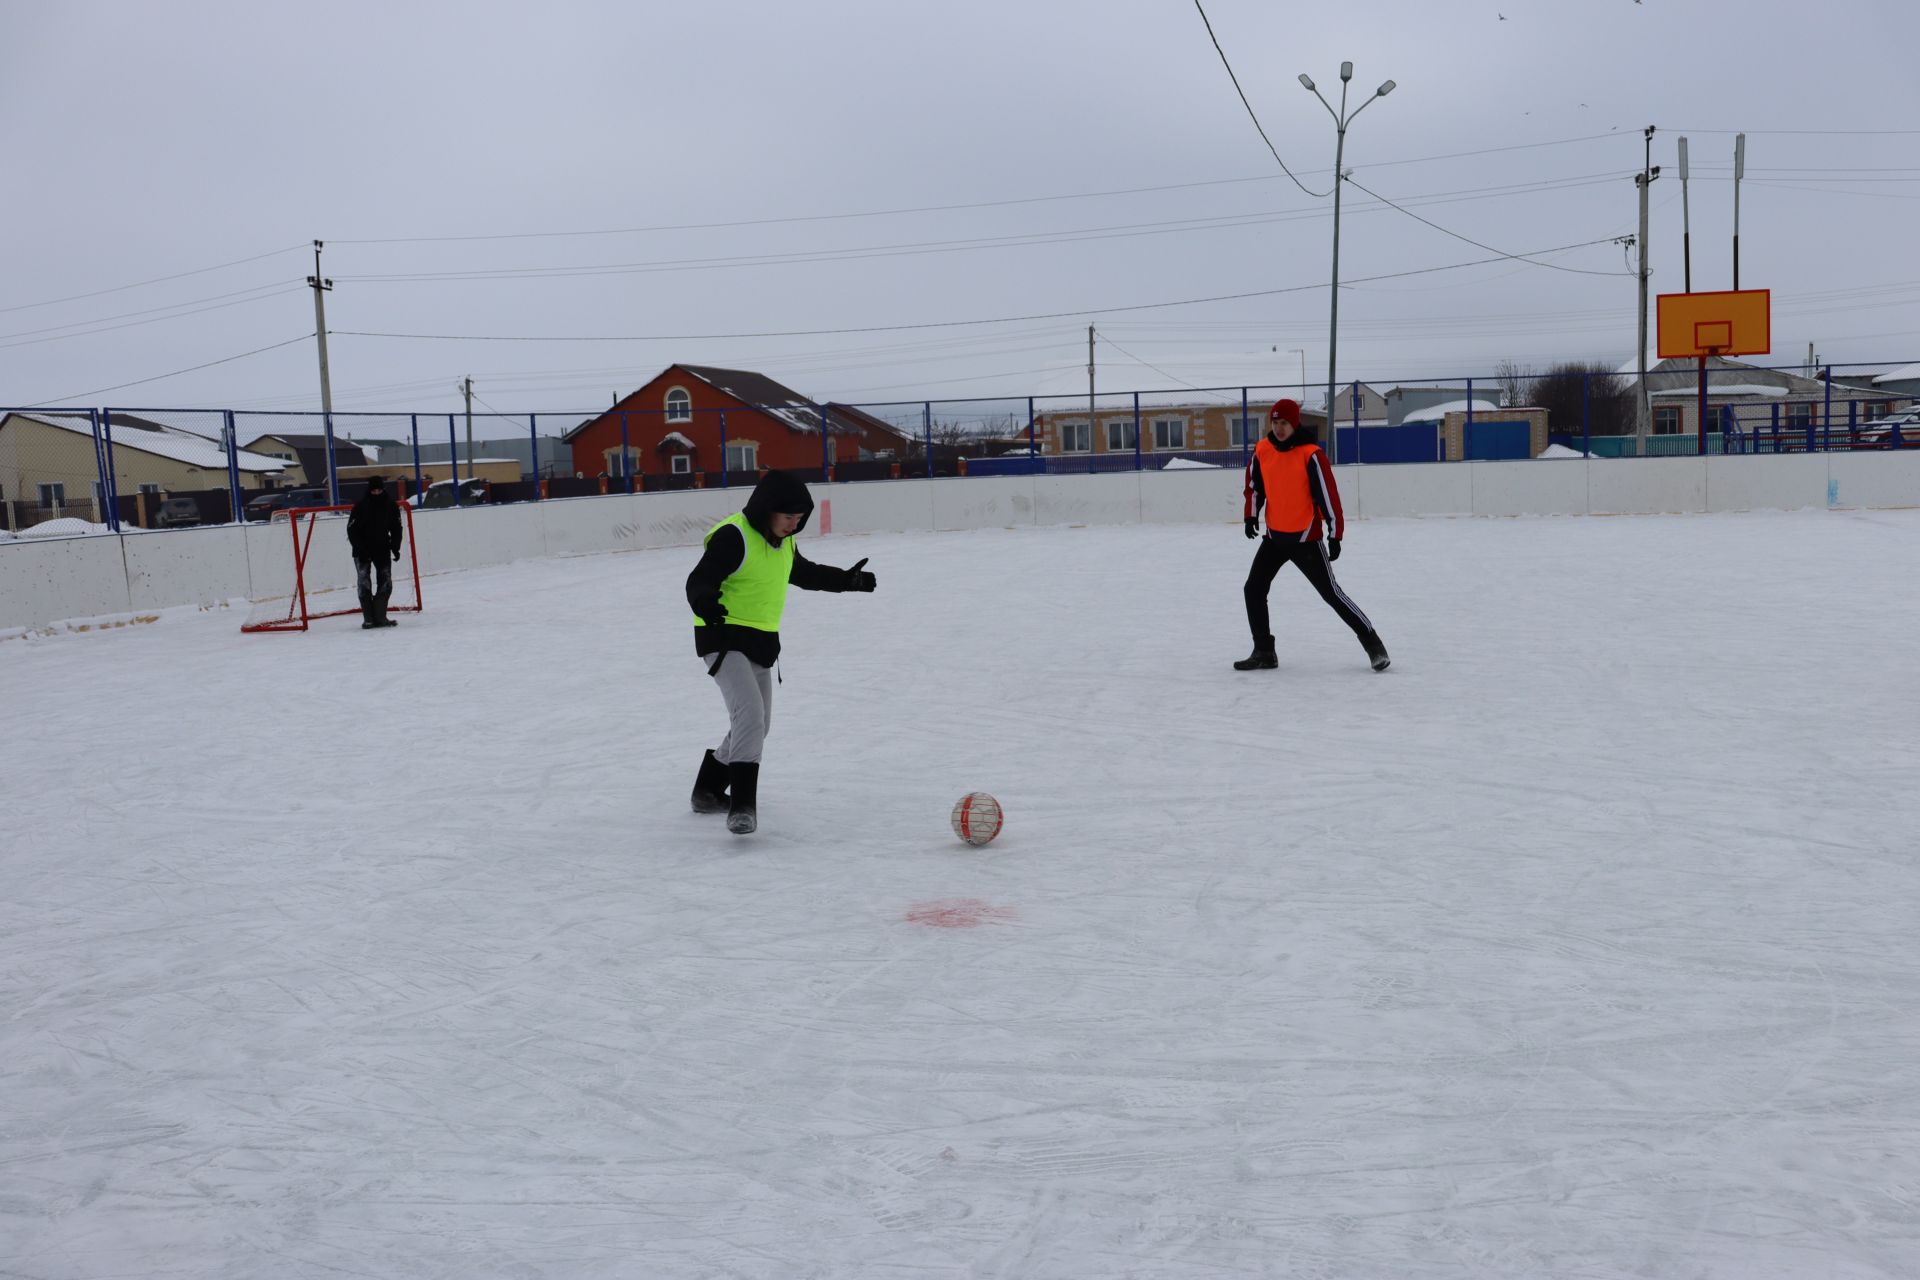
{"x":320,"y":287}
{"x":1089,"y":389}
{"x":1644,"y":408}
{"x":1739,"y":172}
{"x":466,"y":385}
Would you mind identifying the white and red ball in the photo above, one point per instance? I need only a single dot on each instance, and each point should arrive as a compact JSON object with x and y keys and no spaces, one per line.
{"x":977,"y":818}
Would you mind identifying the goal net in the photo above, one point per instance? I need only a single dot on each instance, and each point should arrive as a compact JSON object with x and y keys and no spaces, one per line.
{"x":304,"y":570}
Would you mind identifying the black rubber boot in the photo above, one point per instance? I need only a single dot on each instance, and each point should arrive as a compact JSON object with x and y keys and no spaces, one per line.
{"x":369,"y":613}
{"x":710,"y":787}
{"x":380,"y":618}
{"x":1263,"y":657}
{"x":1376,"y":651}
{"x":743,"y":786}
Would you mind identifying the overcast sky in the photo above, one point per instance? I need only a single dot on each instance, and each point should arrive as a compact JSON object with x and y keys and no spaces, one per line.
{"x":527,"y":171}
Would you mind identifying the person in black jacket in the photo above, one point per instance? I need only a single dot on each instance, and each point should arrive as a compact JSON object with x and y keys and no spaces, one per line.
{"x":737,"y":593}
{"x":373,"y":531}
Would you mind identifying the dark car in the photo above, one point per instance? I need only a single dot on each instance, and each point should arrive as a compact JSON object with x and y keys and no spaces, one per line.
{"x":177,"y":513}
{"x":440,"y":494}
{"x":262,"y":506}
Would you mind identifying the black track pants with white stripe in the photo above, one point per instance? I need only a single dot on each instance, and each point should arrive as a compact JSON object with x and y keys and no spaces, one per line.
{"x":1311,"y":559}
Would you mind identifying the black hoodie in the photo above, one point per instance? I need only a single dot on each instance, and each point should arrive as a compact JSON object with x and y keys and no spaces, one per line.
{"x":727,"y":551}
{"x":373,"y":528}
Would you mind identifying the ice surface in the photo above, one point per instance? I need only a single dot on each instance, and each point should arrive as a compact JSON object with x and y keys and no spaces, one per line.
{"x":1580,"y":943}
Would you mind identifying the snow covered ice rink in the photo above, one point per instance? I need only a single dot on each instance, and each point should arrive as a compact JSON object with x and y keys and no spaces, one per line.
{"x":1585,"y":942}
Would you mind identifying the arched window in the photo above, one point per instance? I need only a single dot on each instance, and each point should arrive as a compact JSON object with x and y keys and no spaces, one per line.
{"x":679,"y":405}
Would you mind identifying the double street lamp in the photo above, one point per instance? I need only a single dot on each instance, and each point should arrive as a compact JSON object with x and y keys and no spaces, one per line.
{"x":1340,"y":122}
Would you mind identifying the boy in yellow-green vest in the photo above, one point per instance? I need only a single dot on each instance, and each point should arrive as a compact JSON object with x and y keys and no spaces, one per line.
{"x":738,"y":592}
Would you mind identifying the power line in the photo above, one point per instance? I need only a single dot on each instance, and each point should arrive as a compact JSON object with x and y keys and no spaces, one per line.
{"x":53,"y":333}
{"x":140,"y":284}
{"x":1137,"y":360}
{"x":1476,"y":244}
{"x":946,"y":324}
{"x":922,"y":247}
{"x":140,"y":382}
{"x":1318,"y":195}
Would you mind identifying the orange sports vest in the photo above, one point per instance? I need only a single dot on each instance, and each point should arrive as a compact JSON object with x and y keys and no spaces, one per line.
{"x":1283,"y":475}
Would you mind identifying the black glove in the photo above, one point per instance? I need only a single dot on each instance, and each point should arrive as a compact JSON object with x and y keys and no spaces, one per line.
{"x":710,"y":611}
{"x":858,"y":579}
{"x":1333,"y":548}
{"x":396,"y":555}
{"x":1253,"y":527}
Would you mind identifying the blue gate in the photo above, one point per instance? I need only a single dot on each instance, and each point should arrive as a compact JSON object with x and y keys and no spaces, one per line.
{"x":1493,"y":441}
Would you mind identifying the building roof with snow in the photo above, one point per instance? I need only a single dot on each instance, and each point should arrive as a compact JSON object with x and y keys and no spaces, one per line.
{"x":189,"y":447}
{"x":1434,"y":413}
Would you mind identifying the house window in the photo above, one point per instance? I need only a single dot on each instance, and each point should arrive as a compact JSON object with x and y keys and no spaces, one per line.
{"x":53,"y":497}
{"x":151,"y":490}
{"x":1121,"y":435}
{"x":1874,"y":412}
{"x":679,"y":406}
{"x":1666,"y":420}
{"x":621,"y":465}
{"x":1243,"y":431}
{"x":743,"y":457}
{"x":1076,"y":437}
{"x":1800,"y":415}
{"x":1169,"y":433}
{"x":682,"y":464}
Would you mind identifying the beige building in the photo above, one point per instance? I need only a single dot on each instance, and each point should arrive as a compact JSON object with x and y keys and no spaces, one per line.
{"x":49,"y":467}
{"x":1165,"y":430}
{"x":400,"y":474}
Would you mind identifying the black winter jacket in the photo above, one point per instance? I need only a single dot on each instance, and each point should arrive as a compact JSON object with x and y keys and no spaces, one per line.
{"x":373,"y":527}
{"x":727,"y":551}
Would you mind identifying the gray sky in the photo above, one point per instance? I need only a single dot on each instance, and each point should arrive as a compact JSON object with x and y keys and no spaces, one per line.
{"x":146,"y":139}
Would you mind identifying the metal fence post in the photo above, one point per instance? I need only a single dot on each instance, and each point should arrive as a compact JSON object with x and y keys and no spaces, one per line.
{"x":926,"y":422}
{"x":1246,"y":428}
{"x":1826,"y":413}
{"x":1033,"y":447}
{"x":113,"y":480}
{"x":103,"y":484}
{"x":826,"y":444}
{"x":1136,"y":431}
{"x":1586,"y":419}
{"x":233,"y":466}
{"x":413,"y":428}
{"x":533,"y":442}
{"x":723,"y":448}
{"x":453,"y":461}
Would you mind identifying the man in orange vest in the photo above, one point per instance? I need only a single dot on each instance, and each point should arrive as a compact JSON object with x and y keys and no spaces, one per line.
{"x":1289,"y":476}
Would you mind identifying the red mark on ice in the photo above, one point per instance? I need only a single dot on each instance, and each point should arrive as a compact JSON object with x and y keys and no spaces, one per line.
{"x":958,"y":913}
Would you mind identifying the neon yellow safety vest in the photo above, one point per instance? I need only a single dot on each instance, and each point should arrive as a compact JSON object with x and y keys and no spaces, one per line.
{"x":755,"y":594}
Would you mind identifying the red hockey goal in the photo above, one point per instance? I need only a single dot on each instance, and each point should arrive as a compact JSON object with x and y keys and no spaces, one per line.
{"x":304,"y":570}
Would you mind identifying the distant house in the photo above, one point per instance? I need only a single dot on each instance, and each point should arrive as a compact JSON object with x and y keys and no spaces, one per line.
{"x":48,"y":466}
{"x":1169,"y":427}
{"x":1904,"y":381}
{"x":1758,"y":397}
{"x":307,"y":454}
{"x":689,"y":420}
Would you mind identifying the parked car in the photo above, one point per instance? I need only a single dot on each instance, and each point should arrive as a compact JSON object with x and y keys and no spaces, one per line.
{"x":176,"y":513}
{"x":1879,"y":433}
{"x":440,"y":494}
{"x":262,"y":506}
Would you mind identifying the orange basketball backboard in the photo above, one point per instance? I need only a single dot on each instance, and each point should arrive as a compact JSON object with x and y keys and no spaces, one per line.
{"x":1730,"y":323}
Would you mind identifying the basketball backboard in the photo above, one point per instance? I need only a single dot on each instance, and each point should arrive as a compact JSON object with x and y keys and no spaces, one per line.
{"x":1728,"y":323}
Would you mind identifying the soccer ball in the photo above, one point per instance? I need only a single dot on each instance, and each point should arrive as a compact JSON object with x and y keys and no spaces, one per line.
{"x":977,"y":818}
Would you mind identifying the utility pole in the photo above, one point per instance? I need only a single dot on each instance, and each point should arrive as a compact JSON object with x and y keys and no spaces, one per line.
{"x":1644,"y":180}
{"x":320,"y":287}
{"x":1089,"y":390}
{"x":1686,"y":222}
{"x":466,"y":385}
{"x":1739,"y":172}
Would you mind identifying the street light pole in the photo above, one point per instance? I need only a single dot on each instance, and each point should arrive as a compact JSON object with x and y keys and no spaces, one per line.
{"x":1340,"y":122}
{"x":1302,"y":352}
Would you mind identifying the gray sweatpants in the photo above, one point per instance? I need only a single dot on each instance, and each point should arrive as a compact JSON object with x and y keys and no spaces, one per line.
{"x":748,"y":689}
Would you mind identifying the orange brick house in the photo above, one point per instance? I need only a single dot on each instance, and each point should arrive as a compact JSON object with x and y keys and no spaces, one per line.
{"x":689,"y":420}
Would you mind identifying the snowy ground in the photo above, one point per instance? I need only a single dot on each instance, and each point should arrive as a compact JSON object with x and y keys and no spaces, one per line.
{"x":1582,"y":943}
